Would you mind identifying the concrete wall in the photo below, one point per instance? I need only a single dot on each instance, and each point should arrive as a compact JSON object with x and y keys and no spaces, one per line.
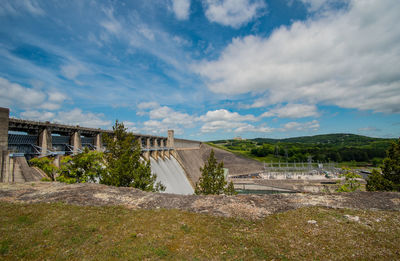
{"x":186,"y":144}
{"x":4,"y":117}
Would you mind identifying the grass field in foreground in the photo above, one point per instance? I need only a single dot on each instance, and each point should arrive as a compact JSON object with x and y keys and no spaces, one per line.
{"x":65,"y":232}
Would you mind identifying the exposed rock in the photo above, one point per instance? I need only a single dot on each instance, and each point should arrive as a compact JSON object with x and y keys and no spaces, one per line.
{"x":352,"y":218}
{"x":244,"y":206}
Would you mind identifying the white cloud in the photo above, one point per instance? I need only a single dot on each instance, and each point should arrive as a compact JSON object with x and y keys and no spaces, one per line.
{"x":163,"y":118}
{"x":230,"y":121}
{"x":73,"y":117}
{"x":131,"y":126}
{"x":234,"y":13}
{"x":85,"y":119}
{"x":13,"y":94}
{"x":348,"y":58}
{"x":224,"y":115}
{"x":72,"y":70}
{"x":37,"y":115}
{"x":57,"y":97}
{"x":17,"y":95}
{"x":311,"y":125}
{"x":292,"y":111}
{"x":148,"y":105}
{"x":181,"y":9}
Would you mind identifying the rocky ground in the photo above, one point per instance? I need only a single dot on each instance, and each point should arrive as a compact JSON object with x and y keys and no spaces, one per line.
{"x":243,"y":206}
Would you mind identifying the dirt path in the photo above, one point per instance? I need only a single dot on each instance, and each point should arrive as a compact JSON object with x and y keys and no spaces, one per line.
{"x":245,"y":206}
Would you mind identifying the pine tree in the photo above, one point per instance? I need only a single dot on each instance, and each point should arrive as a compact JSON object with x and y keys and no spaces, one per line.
{"x":391,"y":166}
{"x":212,"y":180}
{"x":390,"y":177}
{"x":124,"y":167}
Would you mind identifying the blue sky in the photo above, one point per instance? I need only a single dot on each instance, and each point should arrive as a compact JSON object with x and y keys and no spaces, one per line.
{"x":209,"y":69}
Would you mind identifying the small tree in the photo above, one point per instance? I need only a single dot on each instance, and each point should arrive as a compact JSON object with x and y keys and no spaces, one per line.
{"x":124,"y":165}
{"x":212,"y":180}
{"x":46,"y":165}
{"x":83,"y":167}
{"x":390,"y":177}
{"x":350,"y":181}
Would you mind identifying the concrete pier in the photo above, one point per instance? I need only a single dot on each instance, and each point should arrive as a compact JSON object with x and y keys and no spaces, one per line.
{"x":4,"y":116}
{"x":97,"y":142}
{"x":45,"y":141}
{"x":76,"y":142}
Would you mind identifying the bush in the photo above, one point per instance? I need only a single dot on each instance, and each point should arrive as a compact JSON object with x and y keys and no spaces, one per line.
{"x":376,"y":182}
{"x":46,"y":165}
{"x":350,"y":182}
{"x":83,"y":167}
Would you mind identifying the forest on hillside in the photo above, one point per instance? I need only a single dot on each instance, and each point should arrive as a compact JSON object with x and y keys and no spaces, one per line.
{"x":319,"y":148}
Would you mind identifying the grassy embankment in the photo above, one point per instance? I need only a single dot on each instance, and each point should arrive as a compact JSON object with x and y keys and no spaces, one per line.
{"x":65,"y":232}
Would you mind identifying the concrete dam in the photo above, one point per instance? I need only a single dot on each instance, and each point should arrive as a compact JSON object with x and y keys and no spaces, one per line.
{"x":176,"y":162}
{"x":23,"y":139}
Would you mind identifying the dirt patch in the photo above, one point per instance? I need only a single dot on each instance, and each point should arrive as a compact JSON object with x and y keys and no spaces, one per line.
{"x":244,"y":206}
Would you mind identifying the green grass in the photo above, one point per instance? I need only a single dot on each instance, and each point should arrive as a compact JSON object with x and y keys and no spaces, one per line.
{"x":65,"y":232}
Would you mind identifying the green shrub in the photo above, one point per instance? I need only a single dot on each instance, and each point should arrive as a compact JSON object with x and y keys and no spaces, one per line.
{"x":46,"y":165}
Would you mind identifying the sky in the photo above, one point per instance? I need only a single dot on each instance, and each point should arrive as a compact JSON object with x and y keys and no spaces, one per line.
{"x":209,"y":69}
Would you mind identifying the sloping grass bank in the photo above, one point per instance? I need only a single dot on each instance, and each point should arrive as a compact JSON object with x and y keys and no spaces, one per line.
{"x":66,"y":232}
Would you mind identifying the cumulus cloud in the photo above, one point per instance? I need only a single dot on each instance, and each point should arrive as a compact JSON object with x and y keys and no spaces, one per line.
{"x":225,"y":115}
{"x":292,"y":111}
{"x":73,"y":117}
{"x":348,"y":58}
{"x":234,"y":13}
{"x":230,"y":121}
{"x":181,"y":9}
{"x":38,"y":115}
{"x":13,"y":94}
{"x":163,"y":118}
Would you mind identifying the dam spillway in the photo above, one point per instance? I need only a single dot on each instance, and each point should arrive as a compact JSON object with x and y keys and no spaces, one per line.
{"x":171,"y":174}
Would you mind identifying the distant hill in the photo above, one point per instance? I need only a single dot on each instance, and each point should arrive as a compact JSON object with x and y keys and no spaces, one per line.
{"x":340,"y":147}
{"x":333,"y":139}
{"x":342,"y":139}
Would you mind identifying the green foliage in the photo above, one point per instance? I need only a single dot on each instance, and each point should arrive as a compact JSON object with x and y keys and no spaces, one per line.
{"x":391,"y":165}
{"x":350,"y":182}
{"x":124,"y":165}
{"x":46,"y":165}
{"x":323,"y":148}
{"x":83,"y":167}
{"x":390,"y":177}
{"x":376,"y":182}
{"x":212,"y":180}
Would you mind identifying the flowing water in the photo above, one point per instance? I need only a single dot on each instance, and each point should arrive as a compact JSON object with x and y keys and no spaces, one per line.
{"x":171,"y":175}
